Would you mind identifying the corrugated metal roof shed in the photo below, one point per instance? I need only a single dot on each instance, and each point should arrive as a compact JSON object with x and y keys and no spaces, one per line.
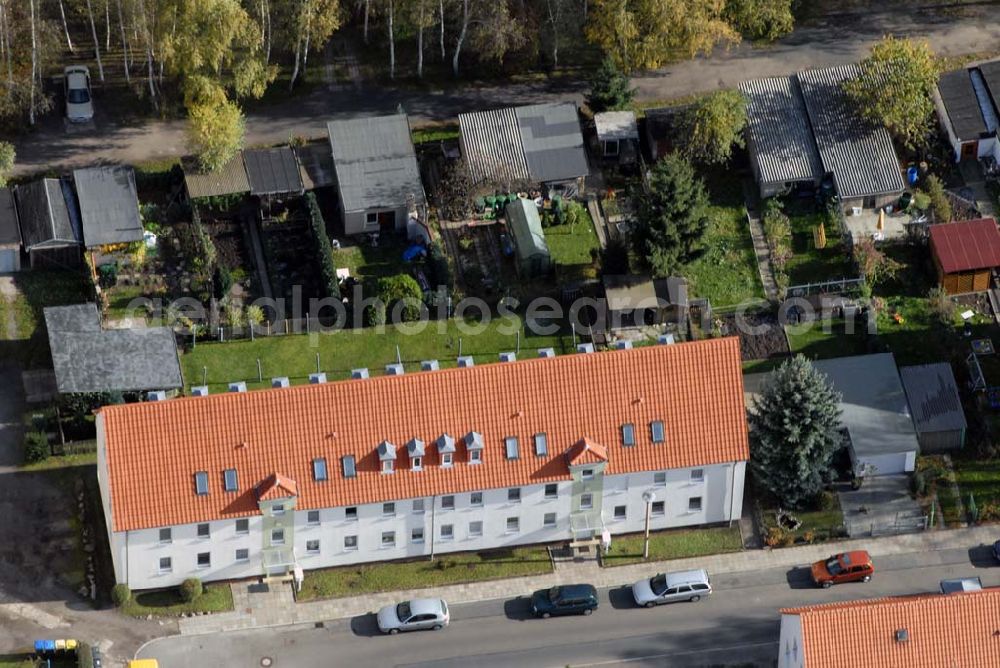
{"x":781,"y":139}
{"x":230,"y":179}
{"x":858,"y":153}
{"x":374,"y":161}
{"x":491,"y":145}
{"x":612,"y":125}
{"x":933,"y":397}
{"x":960,"y":102}
{"x":991,"y":75}
{"x":966,"y":245}
{"x":10,"y":232}
{"x":272,"y":171}
{"x":553,"y":142}
{"x":526,"y":226}
{"x":45,"y":216}
{"x":109,"y":205}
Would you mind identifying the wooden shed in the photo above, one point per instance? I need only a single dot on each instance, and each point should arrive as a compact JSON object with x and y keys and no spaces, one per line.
{"x":965,"y":254}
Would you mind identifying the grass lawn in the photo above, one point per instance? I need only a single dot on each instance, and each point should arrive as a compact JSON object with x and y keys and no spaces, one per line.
{"x":366,"y":262}
{"x":939,"y":478}
{"x":726,"y":273}
{"x":435,"y":132}
{"x":981,"y":478}
{"x":571,"y":246}
{"x":444,"y":570}
{"x":822,"y":524}
{"x":119,"y":299}
{"x":38,"y":289}
{"x":340,"y":351}
{"x":16,"y":661}
{"x":809,"y":264}
{"x":811,"y":340}
{"x":673,"y":544}
{"x":62,"y":461}
{"x":168,"y":603}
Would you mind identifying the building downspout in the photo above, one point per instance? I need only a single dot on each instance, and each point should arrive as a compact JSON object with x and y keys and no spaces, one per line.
{"x":732,"y":492}
{"x":126,"y":559}
{"x":433,"y":516}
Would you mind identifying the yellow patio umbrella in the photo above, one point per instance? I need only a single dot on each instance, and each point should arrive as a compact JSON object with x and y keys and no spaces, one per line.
{"x":881,"y":220}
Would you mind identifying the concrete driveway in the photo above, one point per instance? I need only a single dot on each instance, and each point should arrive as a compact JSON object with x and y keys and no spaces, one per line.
{"x":882,"y":506}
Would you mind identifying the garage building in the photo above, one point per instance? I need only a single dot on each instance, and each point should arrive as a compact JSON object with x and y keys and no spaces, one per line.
{"x":10,"y":233}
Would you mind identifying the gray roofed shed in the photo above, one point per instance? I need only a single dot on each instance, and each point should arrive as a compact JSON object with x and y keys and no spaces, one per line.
{"x":46,"y":211}
{"x":230,"y":179}
{"x":616,"y":125}
{"x":553,"y":142}
{"x":961,"y":104}
{"x":780,"y":138}
{"x":491,"y":145}
{"x":857,"y":152}
{"x":935,"y":405}
{"x":375,"y":163}
{"x":109,"y":205}
{"x":273,"y":171}
{"x":991,"y":75}
{"x":10,"y":231}
{"x":88,"y":358}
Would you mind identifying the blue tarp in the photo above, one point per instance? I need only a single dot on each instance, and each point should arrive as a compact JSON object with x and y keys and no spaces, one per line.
{"x":413,"y":252}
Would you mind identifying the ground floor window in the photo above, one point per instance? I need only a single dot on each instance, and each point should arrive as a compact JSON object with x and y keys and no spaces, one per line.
{"x":204,"y":559}
{"x":658,"y":508}
{"x":243,"y":554}
{"x":166,"y":564}
{"x":312,"y":546}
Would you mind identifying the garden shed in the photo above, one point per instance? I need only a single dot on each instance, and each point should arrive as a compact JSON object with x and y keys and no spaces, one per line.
{"x":109,"y":206}
{"x":10,"y":233}
{"x":968,"y":103}
{"x":525,"y":226}
{"x":965,"y":254}
{"x":50,"y":226}
{"x":637,"y":300}
{"x":935,"y":405}
{"x":377,"y":175}
{"x":618,"y":135}
{"x":230,"y":179}
{"x":273,"y":172}
{"x":88,"y":358}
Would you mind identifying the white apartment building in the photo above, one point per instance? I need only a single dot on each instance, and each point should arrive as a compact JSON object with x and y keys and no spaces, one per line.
{"x":190,"y":489}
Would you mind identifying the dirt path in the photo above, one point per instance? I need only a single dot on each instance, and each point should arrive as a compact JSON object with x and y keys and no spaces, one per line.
{"x":8,"y":292}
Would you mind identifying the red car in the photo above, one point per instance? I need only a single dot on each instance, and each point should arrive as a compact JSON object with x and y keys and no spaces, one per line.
{"x":845,"y":567}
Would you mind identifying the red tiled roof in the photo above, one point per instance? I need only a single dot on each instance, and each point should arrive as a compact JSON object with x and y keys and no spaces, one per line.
{"x":586,"y":451}
{"x":277,"y":487}
{"x":154,"y":448}
{"x":966,"y":245}
{"x":961,"y":629}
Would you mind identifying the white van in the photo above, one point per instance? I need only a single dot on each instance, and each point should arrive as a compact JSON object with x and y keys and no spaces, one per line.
{"x":670,"y":587}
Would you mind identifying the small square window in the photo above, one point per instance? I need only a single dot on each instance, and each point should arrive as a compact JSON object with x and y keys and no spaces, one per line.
{"x":541,"y":445}
{"x":242,"y":526}
{"x":417,"y":463}
{"x":388,"y":466}
{"x":447,"y":531}
{"x":656,"y":431}
{"x":319,"y":469}
{"x":448,"y":502}
{"x":475,"y":456}
{"x":510,"y":447}
{"x":312,"y":517}
{"x":417,"y":535}
{"x":694,"y":504}
{"x":243,"y":554}
{"x":587,"y":474}
{"x":166,"y":535}
{"x":551,"y":490}
{"x":277,"y":536}
{"x":389,"y":508}
{"x":619,"y":512}
{"x":660,"y":478}
{"x":201,"y":483}
{"x":549,"y":520}
{"x":204,"y":531}
{"x":418,"y":506}
{"x":388,"y":539}
{"x":351,"y":513}
{"x":628,"y":434}
{"x":658,"y":508}
{"x":476,"y":528}
{"x":371,"y":219}
{"x":447,"y":459}
{"x":476,"y":499}
{"x":166,"y":564}
{"x":697,"y":475}
{"x":350,"y":543}
{"x":513,"y":524}
{"x":204,"y":559}
{"x":278,"y":509}
{"x":347,"y":462}
{"x":312,"y":547}
{"x":230,"y":480}
{"x":586,"y":501}
{"x":514,"y":495}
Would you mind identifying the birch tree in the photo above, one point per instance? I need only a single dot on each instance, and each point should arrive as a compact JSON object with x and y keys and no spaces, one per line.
{"x":62,"y":14}
{"x":97,"y":44}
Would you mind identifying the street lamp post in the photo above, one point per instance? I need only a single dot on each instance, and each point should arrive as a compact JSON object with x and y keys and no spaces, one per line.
{"x":648,"y":496}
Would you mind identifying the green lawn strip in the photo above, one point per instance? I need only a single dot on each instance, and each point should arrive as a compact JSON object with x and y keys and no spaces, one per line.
{"x":446,"y":569}
{"x":818,"y":340}
{"x":119,"y":299}
{"x":981,"y":478}
{"x":168,"y":603}
{"x":809,"y":264}
{"x":17,"y":660}
{"x":62,"y":461}
{"x":570,"y":247}
{"x":673,"y":544}
{"x":436,"y":132}
{"x":367,"y":262}
{"x":726,"y":272}
{"x":39,"y":288}
{"x":822,"y":524}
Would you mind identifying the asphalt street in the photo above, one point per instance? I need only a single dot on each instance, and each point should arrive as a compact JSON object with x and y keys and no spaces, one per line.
{"x":737,"y":626}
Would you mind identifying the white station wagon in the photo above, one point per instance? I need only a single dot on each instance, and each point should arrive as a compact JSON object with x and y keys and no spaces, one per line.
{"x":670,"y":587}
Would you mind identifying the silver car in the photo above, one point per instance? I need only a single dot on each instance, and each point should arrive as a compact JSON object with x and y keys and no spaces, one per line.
{"x":669,"y":587}
{"x":420,"y":613}
{"x":79,"y":105}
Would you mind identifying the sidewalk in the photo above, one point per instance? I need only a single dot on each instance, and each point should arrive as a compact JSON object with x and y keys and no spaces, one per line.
{"x":282,"y":610}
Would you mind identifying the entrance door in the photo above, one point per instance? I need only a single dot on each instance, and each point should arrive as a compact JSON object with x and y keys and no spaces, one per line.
{"x":386,"y":221}
{"x":969,"y":150}
{"x":8,"y":260}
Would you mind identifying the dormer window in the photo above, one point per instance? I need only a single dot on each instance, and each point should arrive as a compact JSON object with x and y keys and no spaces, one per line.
{"x":415,"y":450}
{"x":447,"y":459}
{"x":475,"y":456}
{"x":387,"y":456}
{"x":417,"y":463}
{"x":445,"y":445}
{"x":278,"y":509}
{"x":474,"y":444}
{"x":388,"y":466}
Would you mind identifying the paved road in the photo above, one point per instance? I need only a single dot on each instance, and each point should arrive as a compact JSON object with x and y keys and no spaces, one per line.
{"x":738,"y":625}
{"x":835,"y":39}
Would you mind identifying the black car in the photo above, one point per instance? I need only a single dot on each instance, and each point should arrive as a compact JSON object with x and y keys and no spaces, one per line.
{"x":578,"y":599}
{"x":996,"y":550}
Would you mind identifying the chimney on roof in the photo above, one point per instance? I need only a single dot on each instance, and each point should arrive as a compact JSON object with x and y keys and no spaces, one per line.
{"x":508,"y":357}
{"x":546,"y":352}
{"x":665,"y":339}
{"x":429,"y":365}
{"x":585,"y":347}
{"x":239,"y":386}
{"x":156,"y":395}
{"x":359,"y":373}
{"x":199,"y":391}
{"x":281,"y":381}
{"x":317,"y":378}
{"x":465,"y":361}
{"x":623,"y":345}
{"x":394,"y":369}
{"x":902,"y":635}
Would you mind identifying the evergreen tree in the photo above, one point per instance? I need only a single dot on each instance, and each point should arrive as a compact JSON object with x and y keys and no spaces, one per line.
{"x":672,"y":216}
{"x":609,"y":89}
{"x":794,"y":432}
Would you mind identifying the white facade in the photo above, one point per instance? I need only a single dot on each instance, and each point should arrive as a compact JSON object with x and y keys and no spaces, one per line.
{"x":418,"y":527}
{"x":790,"y":652}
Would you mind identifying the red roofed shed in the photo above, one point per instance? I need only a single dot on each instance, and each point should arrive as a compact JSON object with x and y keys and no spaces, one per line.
{"x":965,"y":253}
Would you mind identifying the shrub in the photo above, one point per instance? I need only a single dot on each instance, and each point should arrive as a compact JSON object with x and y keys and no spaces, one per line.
{"x":918,"y":483}
{"x":222,"y":280}
{"x":318,"y":228}
{"x":778,"y":537}
{"x":191,"y":589}
{"x":808,"y":536}
{"x":940,"y":205}
{"x":36,"y":447}
{"x":438,"y":265}
{"x":989,"y":512}
{"x":121,"y":594}
{"x":375,"y":314}
{"x":826,"y":500}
